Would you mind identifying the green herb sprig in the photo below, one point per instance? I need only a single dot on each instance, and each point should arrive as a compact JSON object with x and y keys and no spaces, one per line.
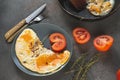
{"x":83,"y":66}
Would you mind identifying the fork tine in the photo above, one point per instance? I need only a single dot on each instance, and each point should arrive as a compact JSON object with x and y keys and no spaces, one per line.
{"x":40,"y":17}
{"x":37,"y":19}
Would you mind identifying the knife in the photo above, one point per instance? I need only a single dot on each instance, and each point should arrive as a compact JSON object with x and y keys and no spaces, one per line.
{"x":27,"y":20}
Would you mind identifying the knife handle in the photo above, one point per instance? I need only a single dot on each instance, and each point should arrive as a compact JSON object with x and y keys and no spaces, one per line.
{"x":14,"y":29}
{"x":10,"y":39}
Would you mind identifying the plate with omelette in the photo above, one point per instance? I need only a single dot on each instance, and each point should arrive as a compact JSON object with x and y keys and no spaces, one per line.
{"x":32,"y":53}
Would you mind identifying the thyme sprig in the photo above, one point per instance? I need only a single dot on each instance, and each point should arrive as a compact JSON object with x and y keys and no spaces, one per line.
{"x":80,"y":73}
{"x":80,"y":59}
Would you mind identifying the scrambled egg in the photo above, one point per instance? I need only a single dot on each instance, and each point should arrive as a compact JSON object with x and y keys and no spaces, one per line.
{"x":100,"y":7}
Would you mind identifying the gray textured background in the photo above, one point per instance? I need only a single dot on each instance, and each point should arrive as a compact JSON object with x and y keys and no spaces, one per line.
{"x":12,"y":11}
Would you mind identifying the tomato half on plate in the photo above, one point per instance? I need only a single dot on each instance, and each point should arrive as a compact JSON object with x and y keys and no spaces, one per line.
{"x":58,"y":41}
{"x":81,"y":35}
{"x":103,"y":43}
{"x":118,"y":74}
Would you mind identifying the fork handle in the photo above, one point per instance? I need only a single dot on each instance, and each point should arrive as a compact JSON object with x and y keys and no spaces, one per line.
{"x":14,"y":29}
{"x":10,"y":39}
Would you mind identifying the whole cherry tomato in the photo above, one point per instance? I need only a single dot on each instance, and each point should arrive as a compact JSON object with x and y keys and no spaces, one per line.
{"x":81,"y":35}
{"x":103,"y":43}
{"x":118,"y":74}
{"x":58,"y":41}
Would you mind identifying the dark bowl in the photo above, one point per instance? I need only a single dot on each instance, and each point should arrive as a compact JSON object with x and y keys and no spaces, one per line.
{"x":84,"y":14}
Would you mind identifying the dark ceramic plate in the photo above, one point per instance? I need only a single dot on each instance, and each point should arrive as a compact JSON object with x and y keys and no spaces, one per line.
{"x":42,"y":31}
{"x":84,"y":14}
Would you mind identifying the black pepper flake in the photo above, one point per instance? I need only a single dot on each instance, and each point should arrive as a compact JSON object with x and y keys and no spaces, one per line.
{"x":24,"y":62}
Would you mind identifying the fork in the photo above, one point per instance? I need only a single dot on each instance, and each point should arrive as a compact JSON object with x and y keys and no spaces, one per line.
{"x":37,"y":19}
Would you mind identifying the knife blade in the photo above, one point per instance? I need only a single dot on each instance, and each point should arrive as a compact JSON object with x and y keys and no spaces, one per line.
{"x":27,"y":20}
{"x":35,"y":13}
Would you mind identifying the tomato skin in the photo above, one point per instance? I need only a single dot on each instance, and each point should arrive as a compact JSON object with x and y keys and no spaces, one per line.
{"x":81,"y":35}
{"x":118,"y":74}
{"x":103,"y":43}
{"x":58,"y":41}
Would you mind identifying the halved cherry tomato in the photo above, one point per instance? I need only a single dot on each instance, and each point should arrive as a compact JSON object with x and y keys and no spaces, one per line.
{"x":103,"y":43}
{"x":58,"y":41}
{"x":81,"y":35}
{"x":118,"y":74}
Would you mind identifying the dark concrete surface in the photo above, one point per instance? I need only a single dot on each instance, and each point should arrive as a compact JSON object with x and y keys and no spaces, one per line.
{"x":12,"y":11}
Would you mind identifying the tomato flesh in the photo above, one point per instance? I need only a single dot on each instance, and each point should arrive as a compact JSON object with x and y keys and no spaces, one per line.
{"x":58,"y":46}
{"x":81,"y":35}
{"x":118,"y":74}
{"x":57,"y":41}
{"x":103,"y":43}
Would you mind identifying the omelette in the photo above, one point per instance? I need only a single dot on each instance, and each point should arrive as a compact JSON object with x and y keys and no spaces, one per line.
{"x":34,"y":56}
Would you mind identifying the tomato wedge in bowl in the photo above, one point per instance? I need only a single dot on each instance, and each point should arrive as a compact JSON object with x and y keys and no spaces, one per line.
{"x":103,"y":43}
{"x":57,"y":41}
{"x":81,"y":35}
